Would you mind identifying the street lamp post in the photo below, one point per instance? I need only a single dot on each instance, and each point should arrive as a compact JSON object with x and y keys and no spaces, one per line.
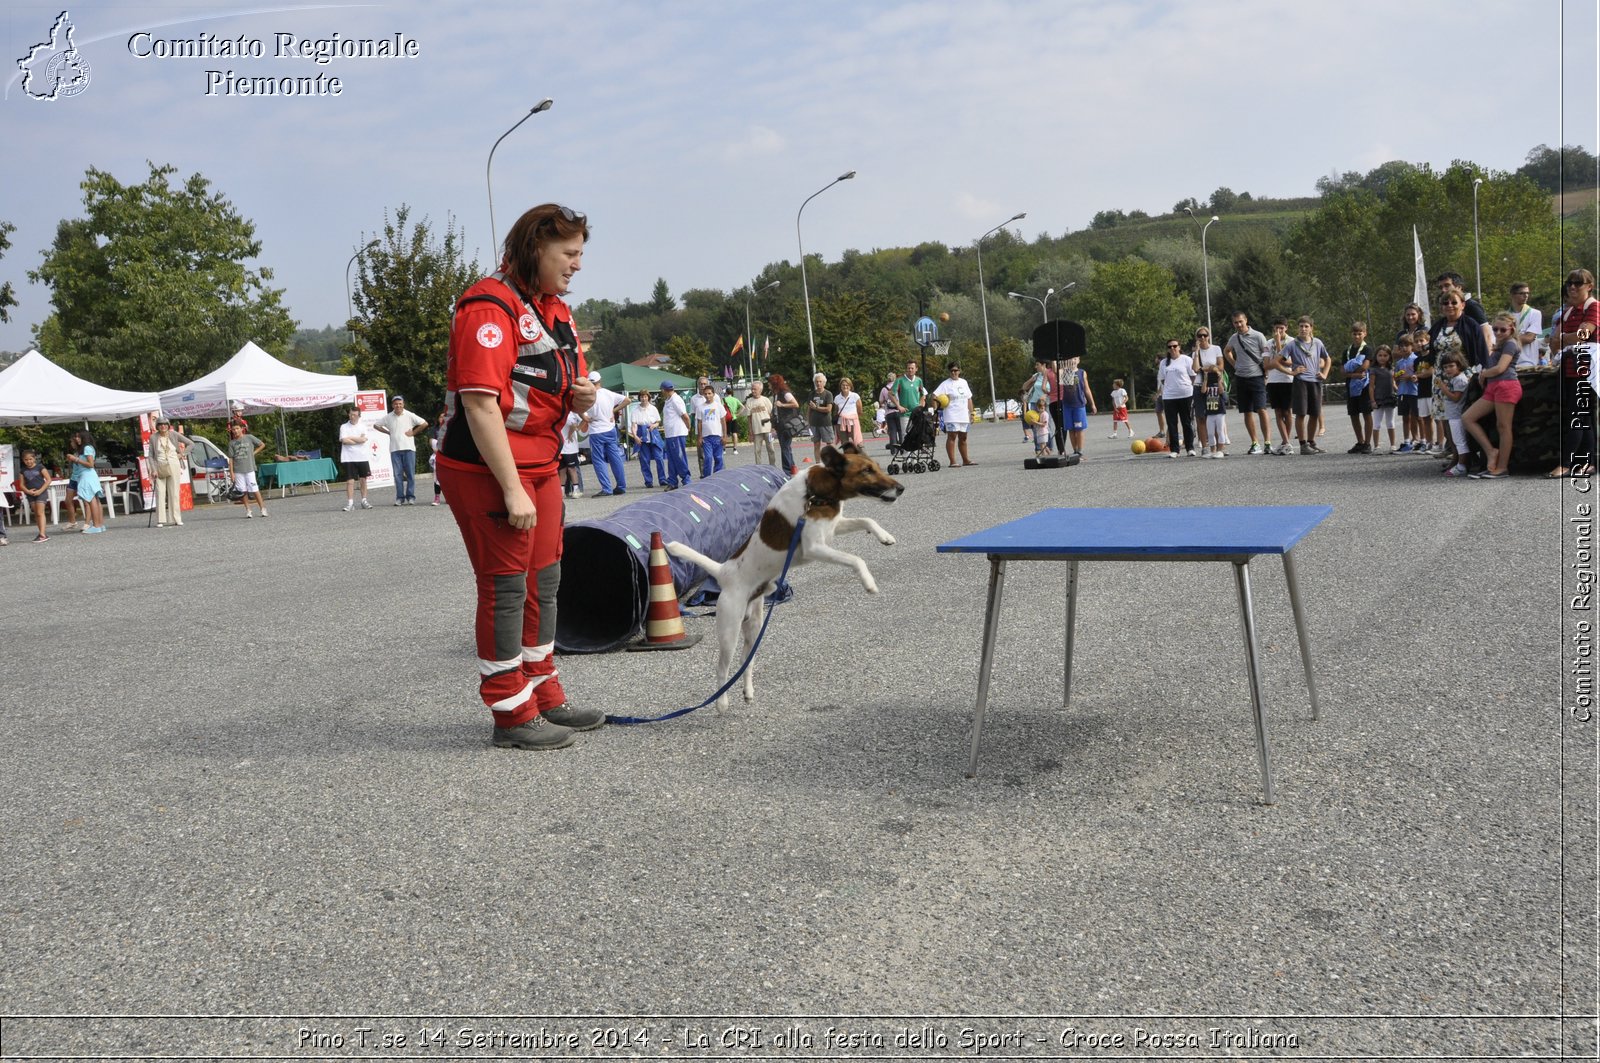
{"x":349,"y":308}
{"x":542,"y":105}
{"x":1043,"y":313}
{"x":1205,"y":265}
{"x":1476,"y":262}
{"x":1044,"y":304}
{"x":983,"y":299}
{"x":805,"y":288}
{"x":749,"y":340}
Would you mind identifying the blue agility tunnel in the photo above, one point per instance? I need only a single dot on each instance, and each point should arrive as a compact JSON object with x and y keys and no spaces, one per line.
{"x":605,"y":563}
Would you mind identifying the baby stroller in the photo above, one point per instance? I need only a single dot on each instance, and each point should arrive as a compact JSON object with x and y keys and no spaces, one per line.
{"x":914,"y":452}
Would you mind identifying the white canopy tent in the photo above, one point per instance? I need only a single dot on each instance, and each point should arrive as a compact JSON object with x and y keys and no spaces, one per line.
{"x":34,"y":390}
{"x":257,"y":382}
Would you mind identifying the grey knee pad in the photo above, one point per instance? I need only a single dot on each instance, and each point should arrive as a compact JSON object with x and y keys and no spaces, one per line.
{"x":547,"y":581}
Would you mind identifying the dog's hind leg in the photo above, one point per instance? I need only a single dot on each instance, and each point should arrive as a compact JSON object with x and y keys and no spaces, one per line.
{"x":845,"y":525}
{"x":751,"y":628}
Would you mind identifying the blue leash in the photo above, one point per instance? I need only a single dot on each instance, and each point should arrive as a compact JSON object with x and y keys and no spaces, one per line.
{"x":780,"y":593}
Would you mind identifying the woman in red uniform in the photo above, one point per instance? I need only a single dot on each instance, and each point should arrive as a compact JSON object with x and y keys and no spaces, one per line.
{"x":516,"y":370}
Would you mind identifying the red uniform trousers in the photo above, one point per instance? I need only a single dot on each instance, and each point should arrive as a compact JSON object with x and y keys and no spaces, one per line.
{"x":516,"y":622}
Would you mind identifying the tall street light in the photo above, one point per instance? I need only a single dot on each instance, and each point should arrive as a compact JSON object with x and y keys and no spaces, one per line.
{"x":542,"y":105}
{"x":1044,"y":304}
{"x":1205,"y":265}
{"x":349,"y":309}
{"x":1043,"y":312}
{"x":983,"y":298}
{"x":749,"y":340}
{"x":805,"y":288}
{"x":1477,"y":264}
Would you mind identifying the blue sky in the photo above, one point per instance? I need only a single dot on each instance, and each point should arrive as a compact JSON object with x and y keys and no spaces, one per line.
{"x":691,"y":131}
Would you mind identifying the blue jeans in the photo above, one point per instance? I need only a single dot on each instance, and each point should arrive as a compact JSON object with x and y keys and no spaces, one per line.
{"x":606,"y":454}
{"x":710,"y":455}
{"x":404,"y":464}
{"x":651,"y":454}
{"x":786,"y":450}
{"x":678,"y":460}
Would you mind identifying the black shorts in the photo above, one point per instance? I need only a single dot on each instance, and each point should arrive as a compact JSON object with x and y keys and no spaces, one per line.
{"x":1281,"y":394}
{"x":1307,"y":398}
{"x":1356,"y":405}
{"x":1249,"y":393}
{"x":357,"y":470}
{"x":568,"y":461}
{"x":1407,"y":405}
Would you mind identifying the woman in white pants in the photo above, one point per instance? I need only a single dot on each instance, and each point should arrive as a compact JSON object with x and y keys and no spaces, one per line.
{"x":168,"y":452}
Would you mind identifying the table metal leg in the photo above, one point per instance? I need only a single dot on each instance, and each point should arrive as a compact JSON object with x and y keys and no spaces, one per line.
{"x":1072,"y":625}
{"x":991,"y":628}
{"x":1300,"y":628}
{"x":1241,"y":579}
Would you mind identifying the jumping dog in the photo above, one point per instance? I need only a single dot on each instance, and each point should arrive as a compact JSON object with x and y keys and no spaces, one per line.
{"x":752,"y":572}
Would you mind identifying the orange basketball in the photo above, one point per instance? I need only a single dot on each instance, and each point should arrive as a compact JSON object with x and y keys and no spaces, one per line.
{"x":945,"y":316}
{"x":1154,"y":445}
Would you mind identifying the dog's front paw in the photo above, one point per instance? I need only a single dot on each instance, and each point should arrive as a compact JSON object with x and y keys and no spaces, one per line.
{"x":886,"y":539}
{"x":871,"y":585}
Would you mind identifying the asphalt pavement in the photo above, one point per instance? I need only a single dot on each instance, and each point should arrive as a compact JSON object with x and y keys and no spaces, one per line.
{"x":245,"y":773}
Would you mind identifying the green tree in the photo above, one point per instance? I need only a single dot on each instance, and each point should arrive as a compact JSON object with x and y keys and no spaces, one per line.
{"x":1354,"y":254}
{"x":626,"y":340}
{"x":1560,"y":171}
{"x":1255,"y":281}
{"x":8,"y":298}
{"x":405,"y":289}
{"x":661,"y":301}
{"x":688,"y":356}
{"x":1130,"y":309}
{"x":150,"y":288}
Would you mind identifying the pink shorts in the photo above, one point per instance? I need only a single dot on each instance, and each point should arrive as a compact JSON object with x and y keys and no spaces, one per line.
{"x":1507,"y":390}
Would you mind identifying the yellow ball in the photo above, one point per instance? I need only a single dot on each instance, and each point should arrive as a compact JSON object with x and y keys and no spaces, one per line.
{"x":1138,"y":446}
{"x":1032,"y":416}
{"x":944,"y":400}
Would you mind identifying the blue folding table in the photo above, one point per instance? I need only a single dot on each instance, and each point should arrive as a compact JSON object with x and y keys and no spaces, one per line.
{"x":1210,"y":533}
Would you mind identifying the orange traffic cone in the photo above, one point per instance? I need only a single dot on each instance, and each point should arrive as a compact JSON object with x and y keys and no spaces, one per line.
{"x":663,"y":623}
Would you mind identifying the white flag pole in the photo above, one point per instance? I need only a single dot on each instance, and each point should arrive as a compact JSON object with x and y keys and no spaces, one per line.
{"x":1420,"y":294}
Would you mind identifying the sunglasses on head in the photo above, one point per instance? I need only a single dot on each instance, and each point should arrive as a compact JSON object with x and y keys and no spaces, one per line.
{"x":572,"y":215}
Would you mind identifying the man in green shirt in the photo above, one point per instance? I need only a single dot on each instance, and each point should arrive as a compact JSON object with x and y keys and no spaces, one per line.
{"x":908,"y":389}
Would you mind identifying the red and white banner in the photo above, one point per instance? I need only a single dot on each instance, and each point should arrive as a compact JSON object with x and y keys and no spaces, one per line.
{"x":374,"y":407}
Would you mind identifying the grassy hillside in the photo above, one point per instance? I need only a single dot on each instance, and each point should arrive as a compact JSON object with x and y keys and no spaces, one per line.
{"x":1269,"y":218}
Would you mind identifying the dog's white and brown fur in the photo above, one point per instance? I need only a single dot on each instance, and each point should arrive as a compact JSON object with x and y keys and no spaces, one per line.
{"x":752,"y":572}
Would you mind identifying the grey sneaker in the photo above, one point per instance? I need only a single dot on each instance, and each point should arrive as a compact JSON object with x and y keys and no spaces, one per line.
{"x":535,"y":734}
{"x":365,"y":504}
{"x":348,"y":506}
{"x":564,"y":715}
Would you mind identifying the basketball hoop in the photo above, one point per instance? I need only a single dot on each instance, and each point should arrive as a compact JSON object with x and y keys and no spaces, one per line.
{"x":940,"y":348}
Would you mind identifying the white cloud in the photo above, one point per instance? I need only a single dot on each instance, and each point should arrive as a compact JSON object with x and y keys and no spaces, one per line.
{"x":758,"y":141}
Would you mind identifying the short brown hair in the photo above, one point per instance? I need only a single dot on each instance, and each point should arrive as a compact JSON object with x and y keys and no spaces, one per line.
{"x":538,"y":226}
